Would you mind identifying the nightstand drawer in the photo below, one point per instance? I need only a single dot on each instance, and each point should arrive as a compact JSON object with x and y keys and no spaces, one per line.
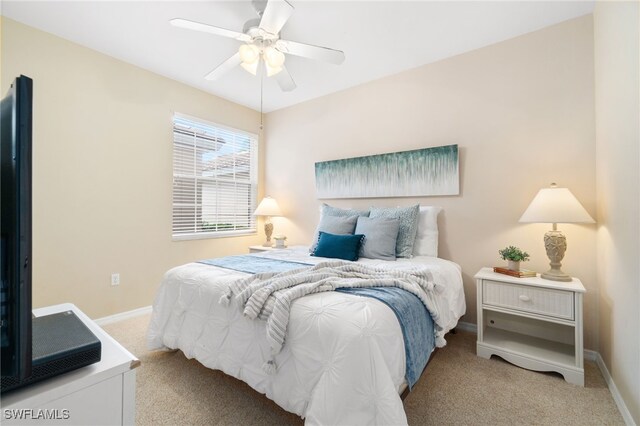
{"x":536,"y":300}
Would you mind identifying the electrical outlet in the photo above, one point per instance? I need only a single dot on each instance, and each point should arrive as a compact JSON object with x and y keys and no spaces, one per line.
{"x":115,"y":279}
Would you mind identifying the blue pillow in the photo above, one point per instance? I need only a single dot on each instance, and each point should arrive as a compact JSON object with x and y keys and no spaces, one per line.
{"x":346,"y":247}
{"x":408,"y":217}
{"x":380,"y":236}
{"x":328,"y":210}
{"x":337,"y":225}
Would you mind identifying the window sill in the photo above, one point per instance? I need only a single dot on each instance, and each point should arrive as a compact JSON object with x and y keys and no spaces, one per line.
{"x":209,"y":235}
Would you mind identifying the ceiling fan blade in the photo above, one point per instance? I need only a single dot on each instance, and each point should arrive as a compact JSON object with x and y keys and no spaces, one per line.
{"x":285,"y":81}
{"x":310,"y":51}
{"x":197,"y":26}
{"x":275,"y":15}
{"x":232,"y":62}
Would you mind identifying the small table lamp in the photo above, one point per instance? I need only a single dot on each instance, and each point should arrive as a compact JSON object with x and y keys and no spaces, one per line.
{"x":555,"y":205}
{"x":268,"y":207}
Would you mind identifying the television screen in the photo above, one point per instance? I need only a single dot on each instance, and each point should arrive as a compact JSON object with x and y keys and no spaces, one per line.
{"x":15,"y":229}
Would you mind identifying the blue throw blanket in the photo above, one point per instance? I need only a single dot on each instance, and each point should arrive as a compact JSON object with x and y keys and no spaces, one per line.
{"x":254,"y":264}
{"x":415,"y":322}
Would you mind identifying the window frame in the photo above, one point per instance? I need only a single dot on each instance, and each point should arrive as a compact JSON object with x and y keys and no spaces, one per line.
{"x":253,"y":182}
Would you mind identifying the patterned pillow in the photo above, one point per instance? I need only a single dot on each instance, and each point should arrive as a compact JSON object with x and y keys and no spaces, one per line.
{"x":408,"y":217}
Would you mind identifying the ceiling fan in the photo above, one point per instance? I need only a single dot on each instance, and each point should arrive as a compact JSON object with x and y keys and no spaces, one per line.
{"x":262,"y":43}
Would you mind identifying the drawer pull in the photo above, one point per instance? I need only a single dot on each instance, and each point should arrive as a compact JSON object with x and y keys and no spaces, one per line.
{"x":524,"y":298}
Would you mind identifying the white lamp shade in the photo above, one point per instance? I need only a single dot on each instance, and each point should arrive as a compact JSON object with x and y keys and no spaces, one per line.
{"x":273,"y":57}
{"x":272,"y":71}
{"x":556,"y":205}
{"x":249,"y":53}
{"x":268,"y":207}
{"x":251,"y":68}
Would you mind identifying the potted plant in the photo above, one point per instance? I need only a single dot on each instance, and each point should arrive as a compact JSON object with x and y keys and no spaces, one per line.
{"x":514,"y":256}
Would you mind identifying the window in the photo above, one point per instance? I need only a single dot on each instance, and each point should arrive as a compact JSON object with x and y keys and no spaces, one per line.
{"x":214,"y":179}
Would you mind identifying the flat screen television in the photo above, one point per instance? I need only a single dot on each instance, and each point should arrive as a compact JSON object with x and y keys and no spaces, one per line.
{"x":42,"y":347}
{"x":15,"y":256}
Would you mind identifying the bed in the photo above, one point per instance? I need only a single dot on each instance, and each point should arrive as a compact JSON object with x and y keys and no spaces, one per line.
{"x":343,"y":360}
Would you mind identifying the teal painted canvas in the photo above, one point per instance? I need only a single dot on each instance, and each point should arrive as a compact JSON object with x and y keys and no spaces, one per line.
{"x":417,"y":173}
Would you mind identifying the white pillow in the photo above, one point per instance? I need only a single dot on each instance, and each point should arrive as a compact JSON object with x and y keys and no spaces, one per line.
{"x":427,"y":236}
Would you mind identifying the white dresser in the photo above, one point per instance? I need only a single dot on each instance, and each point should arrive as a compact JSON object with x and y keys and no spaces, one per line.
{"x":531,"y":322}
{"x":99,"y":394}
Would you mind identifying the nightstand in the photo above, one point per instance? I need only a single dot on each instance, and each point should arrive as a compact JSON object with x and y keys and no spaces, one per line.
{"x":258,"y":249}
{"x":531,"y":322}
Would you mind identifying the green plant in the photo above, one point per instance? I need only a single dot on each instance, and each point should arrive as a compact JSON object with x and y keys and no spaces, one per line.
{"x":513,"y":253}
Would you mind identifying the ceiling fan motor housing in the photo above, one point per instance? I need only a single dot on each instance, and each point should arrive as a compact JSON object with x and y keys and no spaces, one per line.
{"x":253,"y":30}
{"x":251,"y":26}
{"x":259,"y":6}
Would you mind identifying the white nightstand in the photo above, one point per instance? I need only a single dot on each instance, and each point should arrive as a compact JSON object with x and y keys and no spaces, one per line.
{"x":531,"y":322}
{"x":258,"y":249}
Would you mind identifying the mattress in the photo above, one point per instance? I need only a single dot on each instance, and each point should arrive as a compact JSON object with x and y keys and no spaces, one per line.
{"x":343,"y":361}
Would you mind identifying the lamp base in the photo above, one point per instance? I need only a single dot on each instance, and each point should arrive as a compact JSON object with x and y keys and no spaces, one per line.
{"x":556,"y":275}
{"x":555,"y":244}
{"x":268,"y":230}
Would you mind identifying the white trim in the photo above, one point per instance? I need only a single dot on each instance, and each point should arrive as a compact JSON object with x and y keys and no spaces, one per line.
{"x":123,"y":316}
{"x":216,"y":234}
{"x":622,"y":407}
{"x":213,"y":124}
{"x":589,"y":355}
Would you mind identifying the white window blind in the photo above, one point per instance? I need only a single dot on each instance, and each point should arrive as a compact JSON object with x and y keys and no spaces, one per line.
{"x":214,"y":179}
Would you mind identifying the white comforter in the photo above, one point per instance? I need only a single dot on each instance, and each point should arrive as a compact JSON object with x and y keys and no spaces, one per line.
{"x":343,"y":361}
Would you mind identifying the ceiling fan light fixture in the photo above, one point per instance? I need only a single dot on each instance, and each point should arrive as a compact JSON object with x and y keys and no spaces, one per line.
{"x":261,"y":41}
{"x":272,"y":70}
{"x":273,"y":57}
{"x":251,"y":68}
{"x":249,"y":53}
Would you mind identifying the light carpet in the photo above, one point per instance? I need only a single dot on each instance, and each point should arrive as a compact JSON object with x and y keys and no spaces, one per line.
{"x":457,"y":388}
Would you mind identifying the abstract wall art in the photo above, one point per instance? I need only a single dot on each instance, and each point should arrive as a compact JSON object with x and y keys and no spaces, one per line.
{"x":416,"y":173}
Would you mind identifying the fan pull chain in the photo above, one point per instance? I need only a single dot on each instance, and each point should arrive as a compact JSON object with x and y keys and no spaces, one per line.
{"x":261,"y":83}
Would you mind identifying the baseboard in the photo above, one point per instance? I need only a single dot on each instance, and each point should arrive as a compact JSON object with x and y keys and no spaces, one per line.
{"x":123,"y":316}
{"x":589,"y":355}
{"x":622,"y":407}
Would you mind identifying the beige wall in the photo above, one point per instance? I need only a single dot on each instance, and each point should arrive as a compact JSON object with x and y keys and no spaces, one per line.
{"x":102,"y":171}
{"x":522,"y":113}
{"x":617,"y":94}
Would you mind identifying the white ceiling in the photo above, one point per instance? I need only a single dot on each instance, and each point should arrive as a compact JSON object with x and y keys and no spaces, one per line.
{"x":379,"y":38}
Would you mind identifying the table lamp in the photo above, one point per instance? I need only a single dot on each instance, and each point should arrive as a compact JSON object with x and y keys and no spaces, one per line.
{"x":555,"y":205}
{"x":268,"y":207}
